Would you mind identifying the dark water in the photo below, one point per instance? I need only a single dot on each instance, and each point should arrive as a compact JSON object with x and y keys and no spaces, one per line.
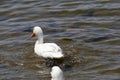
{"x":88,"y":31}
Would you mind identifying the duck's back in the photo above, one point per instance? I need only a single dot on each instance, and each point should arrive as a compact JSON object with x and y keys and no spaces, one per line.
{"x":48,"y":50}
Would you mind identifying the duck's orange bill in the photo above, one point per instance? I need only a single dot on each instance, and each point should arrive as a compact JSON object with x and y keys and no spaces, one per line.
{"x":32,"y":35}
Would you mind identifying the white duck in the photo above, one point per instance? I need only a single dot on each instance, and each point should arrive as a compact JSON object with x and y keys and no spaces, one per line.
{"x":56,"y":73}
{"x":46,"y":50}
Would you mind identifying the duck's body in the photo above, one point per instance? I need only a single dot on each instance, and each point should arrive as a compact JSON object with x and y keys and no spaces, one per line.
{"x":56,"y":73}
{"x":46,"y":50}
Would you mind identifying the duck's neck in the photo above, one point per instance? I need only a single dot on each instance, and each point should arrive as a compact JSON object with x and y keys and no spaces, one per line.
{"x":40,"y":40}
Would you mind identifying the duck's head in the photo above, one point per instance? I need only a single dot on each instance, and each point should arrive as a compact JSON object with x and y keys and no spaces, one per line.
{"x":37,"y":31}
{"x":56,"y":73}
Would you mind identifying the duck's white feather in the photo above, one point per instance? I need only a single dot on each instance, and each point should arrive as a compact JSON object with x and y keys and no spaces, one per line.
{"x":48,"y":50}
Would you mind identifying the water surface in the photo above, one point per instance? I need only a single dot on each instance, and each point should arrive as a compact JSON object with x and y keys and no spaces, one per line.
{"x":88,"y":31}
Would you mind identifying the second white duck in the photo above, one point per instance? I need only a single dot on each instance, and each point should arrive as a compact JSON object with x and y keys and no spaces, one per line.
{"x":56,"y":73}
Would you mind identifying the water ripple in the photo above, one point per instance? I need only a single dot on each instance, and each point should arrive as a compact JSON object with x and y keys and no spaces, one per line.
{"x":87,"y":31}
